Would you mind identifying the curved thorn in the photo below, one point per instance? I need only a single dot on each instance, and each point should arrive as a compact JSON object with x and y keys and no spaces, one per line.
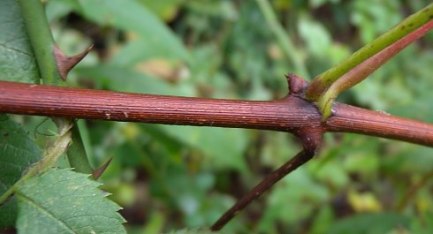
{"x":66,"y":63}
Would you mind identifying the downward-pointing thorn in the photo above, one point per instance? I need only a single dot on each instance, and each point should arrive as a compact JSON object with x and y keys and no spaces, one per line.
{"x":66,"y":63}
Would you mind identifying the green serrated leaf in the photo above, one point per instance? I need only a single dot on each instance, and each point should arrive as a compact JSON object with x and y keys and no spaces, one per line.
{"x":17,"y":152}
{"x":63,"y":201}
{"x":133,"y":16}
{"x":16,"y":56}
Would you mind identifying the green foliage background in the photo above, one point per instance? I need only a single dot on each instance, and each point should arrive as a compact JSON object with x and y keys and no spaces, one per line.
{"x":172,"y":177}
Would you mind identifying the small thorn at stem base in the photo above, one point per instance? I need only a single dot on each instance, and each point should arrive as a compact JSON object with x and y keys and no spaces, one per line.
{"x":297,"y":85}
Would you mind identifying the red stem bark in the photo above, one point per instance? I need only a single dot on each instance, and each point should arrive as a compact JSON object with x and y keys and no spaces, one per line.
{"x":287,"y":114}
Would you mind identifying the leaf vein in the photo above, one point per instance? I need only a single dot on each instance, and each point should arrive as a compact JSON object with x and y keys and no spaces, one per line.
{"x":42,"y":209}
{"x":13,"y":49}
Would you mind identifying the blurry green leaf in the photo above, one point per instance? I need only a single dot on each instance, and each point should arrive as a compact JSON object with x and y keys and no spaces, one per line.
{"x":165,"y":9}
{"x":62,"y":201}
{"x":318,"y":3}
{"x":315,"y":35}
{"x":370,"y":224}
{"x":419,"y":161}
{"x":332,"y":173}
{"x":375,"y":20}
{"x":191,"y":193}
{"x":369,"y":93}
{"x":155,"y":224}
{"x":250,"y":31}
{"x":192,"y":231}
{"x":296,"y":188}
{"x":422,"y":225}
{"x":122,"y":79}
{"x":395,"y":75}
{"x":16,"y":56}
{"x":362,"y":162}
{"x":60,"y":8}
{"x":17,"y":152}
{"x":279,"y":149}
{"x":205,"y":63}
{"x":323,"y":220}
{"x":420,"y":109}
{"x":225,"y":147}
{"x":132,"y":16}
{"x":224,"y":9}
{"x":140,"y":50}
{"x":416,"y":83}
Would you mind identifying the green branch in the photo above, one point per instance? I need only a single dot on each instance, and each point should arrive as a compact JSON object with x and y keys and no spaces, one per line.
{"x":322,"y":82}
{"x":43,"y":45}
{"x":42,"y":42}
{"x":363,"y":70}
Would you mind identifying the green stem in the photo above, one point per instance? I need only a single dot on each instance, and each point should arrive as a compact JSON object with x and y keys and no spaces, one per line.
{"x":322,"y":82}
{"x":364,"y":69}
{"x":42,"y":42}
{"x":77,"y":149}
{"x":85,"y":137}
{"x":283,"y":38}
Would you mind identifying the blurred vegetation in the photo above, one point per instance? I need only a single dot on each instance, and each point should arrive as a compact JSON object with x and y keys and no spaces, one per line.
{"x":174,"y":177}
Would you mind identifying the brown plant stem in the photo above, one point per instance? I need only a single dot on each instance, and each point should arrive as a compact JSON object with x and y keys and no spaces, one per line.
{"x":287,"y":114}
{"x":353,"y":119}
{"x":298,"y":160}
{"x":311,"y":139}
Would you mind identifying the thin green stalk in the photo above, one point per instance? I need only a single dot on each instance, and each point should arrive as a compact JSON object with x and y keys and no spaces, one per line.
{"x":85,"y":137}
{"x":42,"y":42}
{"x":76,"y":149}
{"x":283,"y":38}
{"x":364,"y":69}
{"x":322,"y":82}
